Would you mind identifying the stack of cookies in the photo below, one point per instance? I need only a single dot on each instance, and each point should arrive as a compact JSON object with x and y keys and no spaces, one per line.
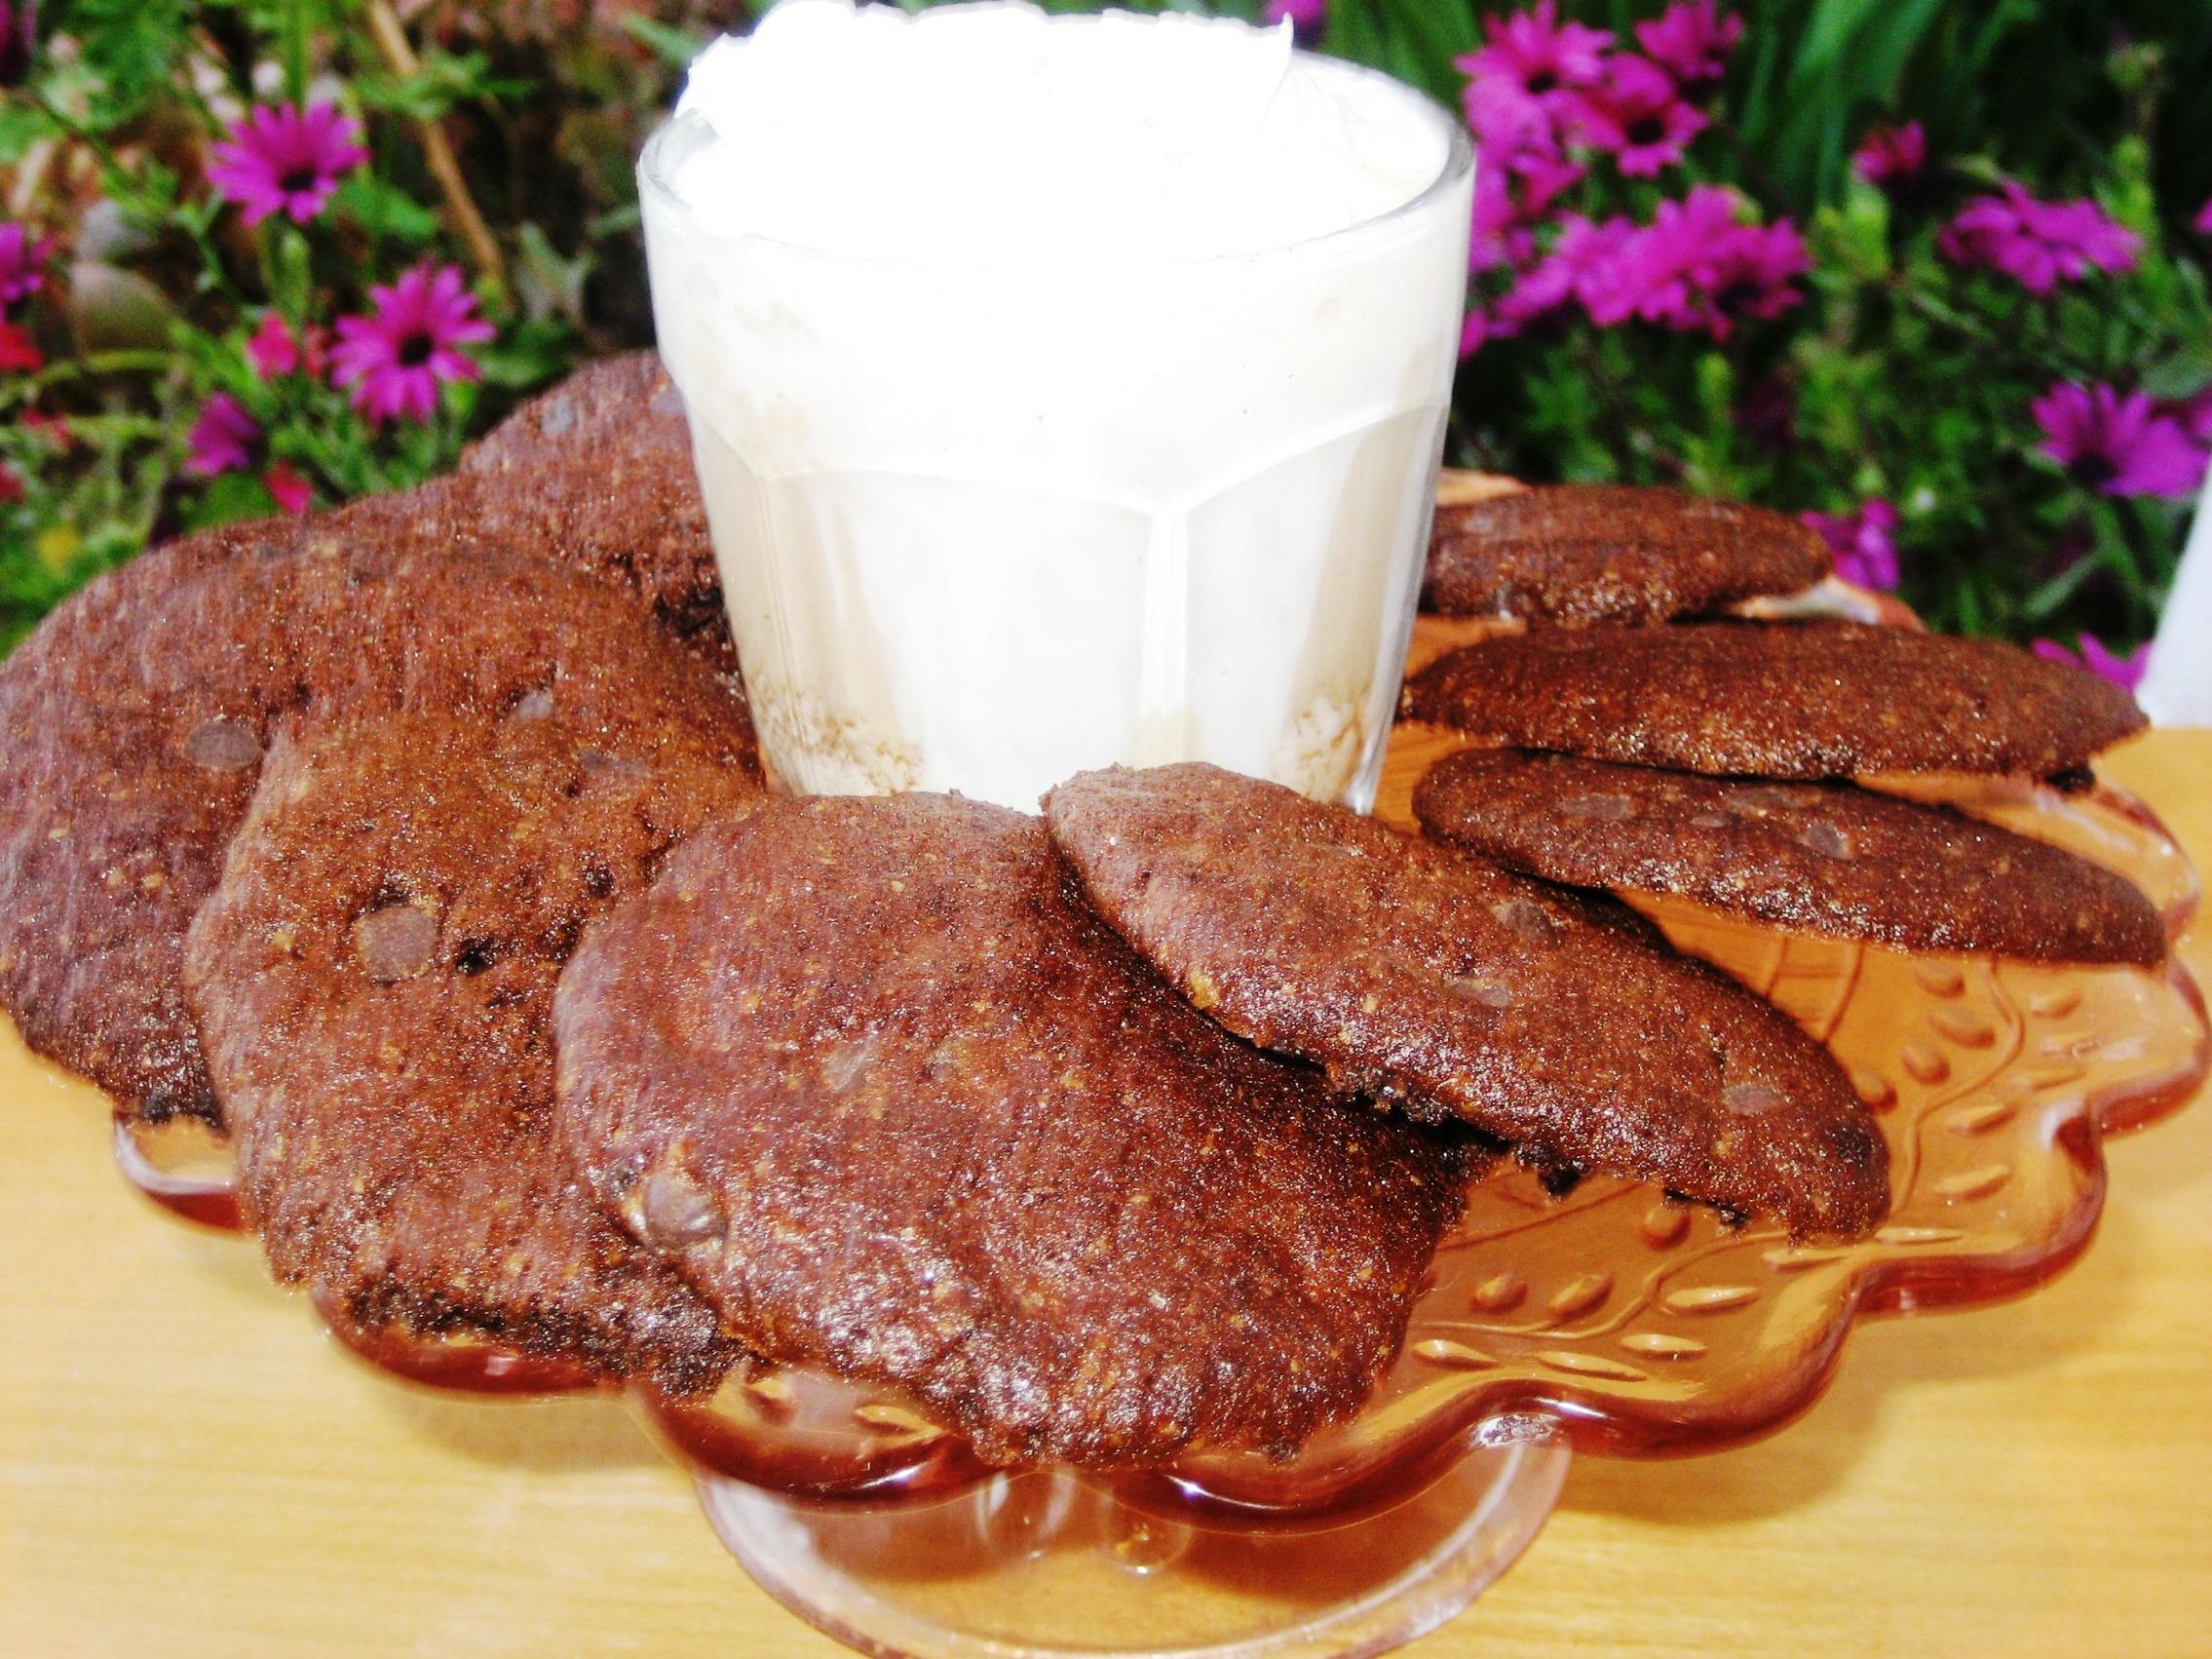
{"x":421,"y":849}
{"x":1630,"y":739}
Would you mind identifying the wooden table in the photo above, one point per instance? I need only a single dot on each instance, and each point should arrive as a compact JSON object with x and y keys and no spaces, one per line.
{"x":188,"y":1467}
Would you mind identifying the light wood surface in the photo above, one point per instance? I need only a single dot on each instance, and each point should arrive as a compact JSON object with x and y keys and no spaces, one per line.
{"x":188,"y":1467}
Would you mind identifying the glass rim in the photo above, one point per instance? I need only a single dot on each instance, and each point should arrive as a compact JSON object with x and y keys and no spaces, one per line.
{"x":1458,"y":163}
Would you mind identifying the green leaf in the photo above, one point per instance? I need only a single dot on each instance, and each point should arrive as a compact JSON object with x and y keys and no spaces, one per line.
{"x":674,"y":46}
{"x":384,"y":210}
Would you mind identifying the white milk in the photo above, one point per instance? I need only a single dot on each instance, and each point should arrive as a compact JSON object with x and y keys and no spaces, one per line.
{"x":1063,"y":391}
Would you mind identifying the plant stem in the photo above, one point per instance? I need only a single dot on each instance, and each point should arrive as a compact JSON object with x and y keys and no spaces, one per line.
{"x":398,"y":56}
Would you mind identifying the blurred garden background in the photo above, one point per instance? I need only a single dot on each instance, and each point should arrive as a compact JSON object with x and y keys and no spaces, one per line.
{"x":1932,"y":271}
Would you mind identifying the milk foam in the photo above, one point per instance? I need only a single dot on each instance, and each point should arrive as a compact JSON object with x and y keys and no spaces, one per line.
{"x":984,"y":136}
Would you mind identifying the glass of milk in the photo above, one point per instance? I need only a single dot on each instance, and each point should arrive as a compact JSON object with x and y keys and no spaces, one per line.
{"x":1064,"y":390}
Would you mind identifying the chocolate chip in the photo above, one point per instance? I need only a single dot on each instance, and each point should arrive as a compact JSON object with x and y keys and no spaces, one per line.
{"x":1825,"y":840}
{"x":1559,"y":1180}
{"x":1751,"y":1100}
{"x":1527,"y":917}
{"x":1489,"y":992}
{"x":843,"y":1068}
{"x":677,"y":1213}
{"x":395,"y":942}
{"x":222,"y":745}
{"x":1762,"y":799}
{"x":1611,"y":809}
{"x":598,"y":764}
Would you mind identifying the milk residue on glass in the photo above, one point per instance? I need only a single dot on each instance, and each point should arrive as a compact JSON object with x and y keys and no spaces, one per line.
{"x":1064,"y":390}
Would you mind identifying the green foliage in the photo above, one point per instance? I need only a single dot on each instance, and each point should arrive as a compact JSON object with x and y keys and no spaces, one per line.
{"x":1901,"y":376}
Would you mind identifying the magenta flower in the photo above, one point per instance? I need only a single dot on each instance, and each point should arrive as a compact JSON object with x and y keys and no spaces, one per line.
{"x":1584,"y":266}
{"x":1749,"y":275}
{"x":2195,"y":415}
{"x":1655,"y":274}
{"x":223,"y":439}
{"x":23,"y":262}
{"x":2203,"y":225}
{"x":395,"y":358}
{"x":1864,"y":543}
{"x":284,"y":159}
{"x":1516,"y":135}
{"x":1695,"y":267}
{"x":1691,"y":41}
{"x":1498,"y":235}
{"x":287,"y":489}
{"x":1640,"y":117}
{"x":1536,"y":56}
{"x":2039,"y":244}
{"x":1891,"y":156}
{"x":272,"y":351}
{"x":1305,"y":16}
{"x":2126,"y":672}
{"x":276,"y":349}
{"x":18,"y":352}
{"x":1473,"y":332}
{"x":2119,"y":446}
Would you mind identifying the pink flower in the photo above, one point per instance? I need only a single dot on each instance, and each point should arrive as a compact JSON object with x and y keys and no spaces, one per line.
{"x":2119,"y":446}
{"x":1538,"y":57}
{"x":1473,"y":332}
{"x":2203,"y":225}
{"x":1517,"y":136}
{"x":1749,"y":274}
{"x":23,"y":262}
{"x":1891,"y":155}
{"x":2195,"y":415}
{"x":2123,"y":671}
{"x":1496,"y":237}
{"x":276,"y":349}
{"x":286,"y":159}
{"x":1655,"y":273}
{"x":1306,"y":17}
{"x":1864,"y":543}
{"x":287,"y":488}
{"x":1695,"y":267}
{"x":1640,"y":117}
{"x":223,"y":439}
{"x":1691,"y":42}
{"x":18,"y":352}
{"x":395,"y":358}
{"x":272,"y":351}
{"x":1584,"y":265}
{"x":2039,"y":244}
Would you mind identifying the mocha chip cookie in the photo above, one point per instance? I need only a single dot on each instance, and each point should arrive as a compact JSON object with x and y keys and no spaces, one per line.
{"x":1579,"y":553}
{"x":1441,"y":984}
{"x":136,"y":719}
{"x":373,"y":978}
{"x":900,"y":1106}
{"x":597,"y":473}
{"x":1776,"y":700}
{"x":1828,"y":858}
